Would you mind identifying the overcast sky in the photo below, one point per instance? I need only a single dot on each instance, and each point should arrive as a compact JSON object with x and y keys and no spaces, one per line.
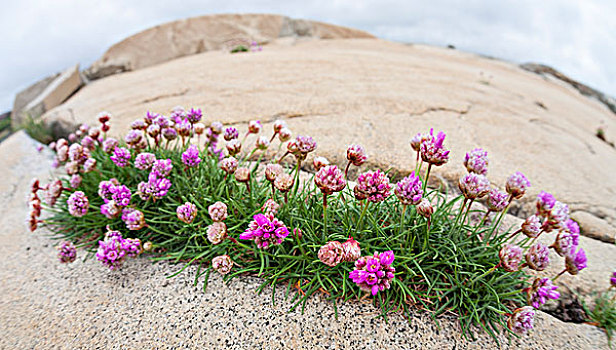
{"x":40,"y":37}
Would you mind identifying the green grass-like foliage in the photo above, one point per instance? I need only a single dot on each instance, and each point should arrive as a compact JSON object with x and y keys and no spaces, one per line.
{"x":443,"y":269}
{"x":603,"y":315}
{"x":239,"y":48}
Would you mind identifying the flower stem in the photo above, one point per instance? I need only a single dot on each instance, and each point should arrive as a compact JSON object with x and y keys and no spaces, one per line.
{"x":346,"y":170}
{"x":360,"y":222}
{"x":427,"y":177}
{"x":325,"y":216}
{"x":560,"y":274}
{"x":402,"y":218}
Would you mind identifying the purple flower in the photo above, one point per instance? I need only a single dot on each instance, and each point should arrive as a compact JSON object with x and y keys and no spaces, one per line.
{"x":133,"y":218}
{"x":89,"y":165}
{"x":542,"y":290}
{"x":521,"y":321}
{"x":575,"y":261}
{"x":356,"y":155}
{"x":565,"y":242}
{"x":67,"y":253}
{"x":75,"y":181}
{"x":135,"y":136}
{"x":156,"y":187}
{"x":106,"y":188}
{"x":75,"y":152}
{"x":113,"y":250}
{"x":409,"y":190}
{"x":184,"y":128}
{"x":231,"y":133}
{"x":432,"y":150}
{"x":144,"y":161}
{"x":572,"y":226}
{"x":305,"y":144}
{"x":538,"y":257}
{"x":222,"y":264}
{"x":110,"y":210}
{"x":121,"y":195}
{"x":138,"y":124}
{"x":162,"y":167}
{"x":194,"y":115}
{"x":150,"y":117}
{"x":558,"y":216}
{"x":78,"y":204}
{"x":545,"y":203}
{"x":510,"y":257}
{"x":497,"y":200}
{"x":531,"y":227}
{"x":190,"y":157}
{"x":120,"y":157}
{"x":373,"y":186}
{"x":162,"y":121}
{"x":216,"y":128}
{"x":265,"y":231}
{"x":329,"y":179}
{"x":374,"y":273}
{"x":476,"y":161}
{"x":170,"y":134}
{"x":613,"y":279}
{"x":132,"y":247}
{"x":517,"y":184}
{"x":186,"y":212}
{"x":331,"y":253}
{"x":218,"y":211}
{"x":474,"y":186}
{"x":177,"y":114}
{"x":416,"y":142}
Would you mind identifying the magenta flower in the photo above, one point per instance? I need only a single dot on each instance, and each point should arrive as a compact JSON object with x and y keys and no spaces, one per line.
{"x":67,"y":253}
{"x":613,"y":279}
{"x":110,"y":210}
{"x":542,"y":290}
{"x":132,"y":246}
{"x":558,"y":216}
{"x":565,"y":242}
{"x":538,"y":257}
{"x":121,"y":195}
{"x":75,"y":181}
{"x":106,"y":188}
{"x":78,"y":204}
{"x":138,"y":124}
{"x":497,"y":200}
{"x":144,"y":161}
{"x":350,"y":250}
{"x":531,"y":227}
{"x":572,"y":226}
{"x":409,"y":190}
{"x":120,"y":157}
{"x":305,"y":144}
{"x":186,"y":212}
{"x":89,"y":165}
{"x":217,"y":211}
{"x":222,"y":264}
{"x":432,"y":149}
{"x":521,"y":321}
{"x":231,"y":133}
{"x":170,"y":134}
{"x":156,"y":187}
{"x":510,"y":257}
{"x":162,"y":167}
{"x":133,"y":218}
{"x":374,"y":273}
{"x":329,"y":180}
{"x":109,"y":145}
{"x":184,"y":128}
{"x":575,"y":261}
{"x":517,"y":184}
{"x":374,"y":185}
{"x":476,"y":161}
{"x":265,"y":231}
{"x":331,"y":253}
{"x":545,"y":203}
{"x":356,"y":155}
{"x":190,"y":157}
{"x":474,"y":186}
{"x":135,"y":136}
{"x":194,"y":115}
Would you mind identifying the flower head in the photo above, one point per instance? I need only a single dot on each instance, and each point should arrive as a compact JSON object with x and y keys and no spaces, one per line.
{"x":510,"y":257}
{"x":228,"y":165}
{"x":270,"y":207}
{"x":234,"y":147}
{"x":144,"y":161}
{"x":78,"y":204}
{"x":89,"y":165}
{"x":162,"y":167}
{"x":558,"y":216}
{"x":231,"y":133}
{"x":194,"y":115}
{"x":356,"y":154}
{"x":279,"y":125}
{"x":521,"y":321}
{"x":613,"y":279}
{"x":432,"y":149}
{"x":120,"y":157}
{"x":424,"y":208}
{"x":476,"y":161}
{"x":266,"y":231}
{"x":330,"y":179}
{"x":531,"y":227}
{"x":517,"y":184}
{"x":284,"y":134}
{"x":374,"y":185}
{"x":542,"y":290}
{"x":67,"y":253}
{"x":121,"y":195}
{"x":170,"y":134}
{"x":331,"y":253}
{"x":218,"y":211}
{"x":110,"y":210}
{"x":110,"y":252}
{"x":474,"y":186}
{"x":222,"y":264}
{"x":350,"y":250}
{"x":565,"y":241}
{"x":262,"y":143}
{"x":75,"y":181}
{"x":497,"y":200}
{"x":272,"y":171}
{"x":305,"y":144}
{"x":186,"y":212}
{"x":133,"y":218}
{"x":374,"y":273}
{"x":217,"y":232}
{"x":538,"y":257}
{"x":416,"y":142}
{"x":242,"y":174}
{"x":409,"y":190}
{"x":545,"y":203}
{"x":190,"y":157}
{"x":254,"y":126}
{"x":320,"y":162}
{"x":575,"y":261}
{"x":284,"y":182}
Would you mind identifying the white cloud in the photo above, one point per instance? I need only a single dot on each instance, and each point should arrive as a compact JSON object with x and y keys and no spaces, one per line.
{"x":577,"y":37}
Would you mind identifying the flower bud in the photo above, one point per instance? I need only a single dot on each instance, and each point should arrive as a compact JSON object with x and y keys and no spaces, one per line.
{"x":217,"y":232}
{"x":331,"y":253}
{"x":351,"y":250}
{"x":222,"y":264}
{"x":424,"y":208}
{"x":242,"y":174}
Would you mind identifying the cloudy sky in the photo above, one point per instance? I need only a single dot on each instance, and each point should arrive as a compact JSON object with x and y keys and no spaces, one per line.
{"x":40,"y":37}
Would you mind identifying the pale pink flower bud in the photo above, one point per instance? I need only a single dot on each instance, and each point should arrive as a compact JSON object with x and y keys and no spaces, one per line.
{"x":319,"y":162}
{"x":270,"y":207}
{"x":218,"y":211}
{"x":217,"y":232}
{"x":538,"y":257}
{"x":283,"y":182}
{"x":222,"y":264}
{"x":234,"y":147}
{"x":330,"y":179}
{"x":331,"y":253}
{"x":279,"y":125}
{"x":228,"y":165}
{"x":424,"y":208}
{"x":351,"y":250}
{"x":284,"y":134}
{"x":199,"y":128}
{"x":254,"y":126}
{"x":242,"y":174}
{"x":272,"y":171}
{"x":356,"y":154}
{"x":510,"y":257}
{"x":262,"y":143}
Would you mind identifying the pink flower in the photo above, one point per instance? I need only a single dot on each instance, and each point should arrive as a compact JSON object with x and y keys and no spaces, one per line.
{"x":272,"y":171}
{"x":474,"y":186}
{"x":476,"y":161}
{"x":190,"y":157}
{"x":78,"y":204}
{"x":67,"y":253}
{"x":424,"y":208}
{"x":265,"y":231}
{"x":356,"y":154}
{"x":374,"y":273}
{"x":144,"y":161}
{"x":538,"y":257}
{"x":284,"y":134}
{"x":350,"y":250}
{"x":521,"y":321}
{"x":262,"y":143}
{"x":331,"y":253}
{"x":575,"y":261}
{"x":120,"y":157}
{"x":517,"y":184}
{"x":270,"y":207}
{"x":231,"y":133}
{"x":497,"y":200}
{"x":217,"y":232}
{"x":531,"y":227}
{"x":374,"y":185}
{"x":510,"y":257}
{"x":194,"y":115}
{"x":284,"y":182}
{"x":330,"y":179}
{"x":565,"y":242}
{"x":542,"y":290}
{"x":218,"y":211}
{"x":409,"y":190}
{"x":222,"y":264}
{"x":254,"y":126}
{"x":228,"y":165}
{"x":133,"y":219}
{"x":234,"y":147}
{"x":545,"y":203}
{"x":186,"y":212}
{"x":432,"y":150}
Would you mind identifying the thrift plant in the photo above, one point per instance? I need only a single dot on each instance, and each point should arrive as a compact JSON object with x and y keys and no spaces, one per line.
{"x":173,"y":189}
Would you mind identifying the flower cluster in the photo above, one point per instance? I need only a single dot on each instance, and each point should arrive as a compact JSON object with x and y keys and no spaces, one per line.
{"x":266,"y":231}
{"x":374,"y":273}
{"x":373,"y":186}
{"x":114,"y":249}
{"x":409,"y":190}
{"x":334,"y":252}
{"x":217,"y":231}
{"x":78,"y":204}
{"x":432,"y":150}
{"x":186,"y":212}
{"x":67,"y":253}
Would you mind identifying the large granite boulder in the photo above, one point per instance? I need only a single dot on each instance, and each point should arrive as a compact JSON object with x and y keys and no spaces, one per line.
{"x":206,"y":33}
{"x":44,"y":304}
{"x":380,"y":94}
